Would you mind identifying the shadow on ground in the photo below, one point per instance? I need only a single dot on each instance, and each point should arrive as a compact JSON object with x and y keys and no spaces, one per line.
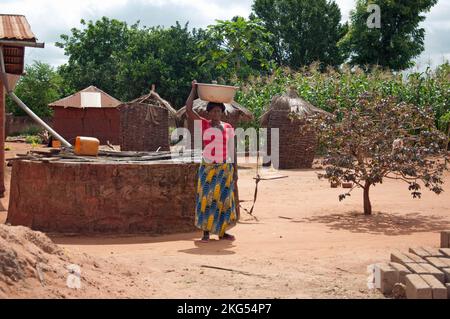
{"x":119,"y":239}
{"x":213,"y":247}
{"x":381,"y":223}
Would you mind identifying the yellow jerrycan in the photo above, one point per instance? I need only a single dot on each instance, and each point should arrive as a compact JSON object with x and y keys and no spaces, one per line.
{"x":86,"y":146}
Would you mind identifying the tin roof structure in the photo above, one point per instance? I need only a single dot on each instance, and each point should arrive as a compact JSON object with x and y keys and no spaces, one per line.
{"x":15,"y":35}
{"x":90,"y":97}
{"x":15,"y":27}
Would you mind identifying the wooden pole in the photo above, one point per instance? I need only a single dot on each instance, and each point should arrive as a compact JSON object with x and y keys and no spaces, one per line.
{"x":2,"y":140}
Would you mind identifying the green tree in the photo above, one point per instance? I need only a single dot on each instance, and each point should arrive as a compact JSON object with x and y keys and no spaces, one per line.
{"x":93,"y":53}
{"x":40,"y":86}
{"x":164,"y":57}
{"x":304,"y":31}
{"x":126,"y":60}
{"x":399,"y":38}
{"x":382,"y":138}
{"x":236,"y":47}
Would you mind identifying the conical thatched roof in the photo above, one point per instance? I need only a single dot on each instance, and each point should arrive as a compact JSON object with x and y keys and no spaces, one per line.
{"x":290,"y":102}
{"x":233,"y":111}
{"x":153,"y":99}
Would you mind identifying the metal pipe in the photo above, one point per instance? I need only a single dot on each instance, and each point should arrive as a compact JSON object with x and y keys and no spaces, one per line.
{"x":24,"y":107}
{"x":23,"y":43}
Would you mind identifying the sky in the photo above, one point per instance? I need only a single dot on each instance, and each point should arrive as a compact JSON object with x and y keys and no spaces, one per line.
{"x":49,"y":19}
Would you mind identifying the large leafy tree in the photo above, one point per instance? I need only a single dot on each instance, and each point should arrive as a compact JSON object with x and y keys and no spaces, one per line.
{"x":236,"y":47}
{"x":126,"y":60}
{"x":398,"y":40}
{"x":164,"y":57}
{"x":93,"y":54}
{"x":382,"y":138}
{"x":40,"y":86}
{"x":304,"y":31}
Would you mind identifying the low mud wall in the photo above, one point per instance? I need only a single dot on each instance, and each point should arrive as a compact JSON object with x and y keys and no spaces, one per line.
{"x":151,"y":198}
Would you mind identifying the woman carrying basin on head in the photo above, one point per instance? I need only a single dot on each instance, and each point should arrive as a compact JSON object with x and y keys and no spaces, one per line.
{"x":215,"y":209}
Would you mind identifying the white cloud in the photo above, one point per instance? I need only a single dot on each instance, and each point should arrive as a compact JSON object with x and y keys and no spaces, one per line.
{"x":50,"y":18}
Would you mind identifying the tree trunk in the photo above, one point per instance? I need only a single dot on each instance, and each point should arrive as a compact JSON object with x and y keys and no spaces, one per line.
{"x":448,"y":137}
{"x":367,"y":205}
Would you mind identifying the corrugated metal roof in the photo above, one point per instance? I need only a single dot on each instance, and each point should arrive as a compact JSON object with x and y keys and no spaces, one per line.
{"x":74,"y":100}
{"x":15,"y":27}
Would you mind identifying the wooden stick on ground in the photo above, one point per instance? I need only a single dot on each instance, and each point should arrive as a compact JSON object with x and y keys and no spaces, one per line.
{"x":232,"y":270}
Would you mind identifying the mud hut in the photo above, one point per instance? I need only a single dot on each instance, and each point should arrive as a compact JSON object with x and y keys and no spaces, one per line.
{"x":288,"y":112}
{"x":234,"y":114}
{"x":144,"y":123}
{"x":89,"y":112}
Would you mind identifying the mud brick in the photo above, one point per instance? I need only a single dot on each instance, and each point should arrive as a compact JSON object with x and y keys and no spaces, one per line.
{"x":401,"y":258}
{"x":440,"y":263}
{"x":446,"y":272}
{"x":434,"y":252}
{"x":439,"y":291}
{"x":388,"y":278}
{"x":445,"y":251}
{"x":401,"y":270}
{"x":415,"y":258}
{"x":426,"y":269}
{"x":437,"y":273}
{"x":419,"y":251}
{"x":417,"y":288}
{"x":445,"y":239}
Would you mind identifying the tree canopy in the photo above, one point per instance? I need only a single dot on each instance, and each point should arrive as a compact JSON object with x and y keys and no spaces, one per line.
{"x":41,"y":86}
{"x":398,"y":40}
{"x":304,"y":31}
{"x":236,"y":48}
{"x":126,"y":60}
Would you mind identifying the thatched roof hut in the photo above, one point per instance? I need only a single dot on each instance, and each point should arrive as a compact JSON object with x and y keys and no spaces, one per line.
{"x":144,"y":123}
{"x":292,"y":103}
{"x":234,"y":114}
{"x":296,"y":147}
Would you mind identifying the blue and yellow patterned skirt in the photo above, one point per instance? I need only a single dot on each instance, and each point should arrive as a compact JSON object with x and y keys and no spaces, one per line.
{"x":215,"y":204}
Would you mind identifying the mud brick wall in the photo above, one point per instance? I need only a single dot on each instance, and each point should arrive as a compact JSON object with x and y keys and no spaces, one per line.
{"x":94,"y":122}
{"x":297,"y":147}
{"x":19,"y":124}
{"x":103,"y":198}
{"x":143,"y":127}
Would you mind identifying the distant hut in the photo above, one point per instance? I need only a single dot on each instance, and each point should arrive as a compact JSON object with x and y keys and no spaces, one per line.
{"x":144,"y":123}
{"x":296,"y":147}
{"x":234,"y":114}
{"x":89,"y":112}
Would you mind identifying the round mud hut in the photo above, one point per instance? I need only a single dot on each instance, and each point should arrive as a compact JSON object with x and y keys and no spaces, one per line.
{"x":234,"y":114}
{"x":144,"y":123}
{"x":297,"y":147}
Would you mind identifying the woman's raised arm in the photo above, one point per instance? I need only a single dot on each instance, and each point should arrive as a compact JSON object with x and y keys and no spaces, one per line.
{"x":190,"y":103}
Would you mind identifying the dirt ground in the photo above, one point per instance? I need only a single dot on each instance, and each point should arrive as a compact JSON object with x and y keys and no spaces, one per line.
{"x":305,"y":244}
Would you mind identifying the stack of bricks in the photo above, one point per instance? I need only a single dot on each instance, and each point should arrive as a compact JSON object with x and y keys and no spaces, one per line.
{"x":424,"y":272}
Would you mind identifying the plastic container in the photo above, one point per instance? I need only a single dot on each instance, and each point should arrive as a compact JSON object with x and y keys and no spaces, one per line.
{"x":86,"y":146}
{"x":216,"y":93}
{"x":56,"y":143}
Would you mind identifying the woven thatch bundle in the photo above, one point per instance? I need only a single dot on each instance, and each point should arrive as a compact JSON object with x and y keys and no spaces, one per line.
{"x":297,"y":147}
{"x":154,"y":100}
{"x":292,"y":103}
